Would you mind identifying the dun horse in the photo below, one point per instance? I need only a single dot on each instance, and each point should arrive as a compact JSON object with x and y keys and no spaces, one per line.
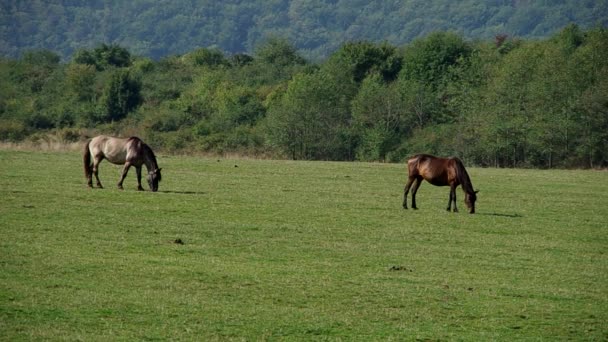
{"x":130,"y":152}
{"x":439,"y":172}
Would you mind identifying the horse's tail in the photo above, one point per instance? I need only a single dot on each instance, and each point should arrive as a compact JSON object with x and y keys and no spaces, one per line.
{"x":86,"y":159}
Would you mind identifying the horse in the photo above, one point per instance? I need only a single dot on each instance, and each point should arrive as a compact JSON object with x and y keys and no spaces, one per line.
{"x":130,"y":152}
{"x":440,"y":172}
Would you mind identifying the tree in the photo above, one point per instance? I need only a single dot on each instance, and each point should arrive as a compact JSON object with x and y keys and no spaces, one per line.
{"x":310,"y":120}
{"x":104,"y":56}
{"x":206,"y":57}
{"x":429,"y":59}
{"x":234,"y":106}
{"x":278,"y":52}
{"x":38,"y":67}
{"x":378,"y":118}
{"x":80,"y":80}
{"x":121,"y":95}
{"x":593,"y":140}
{"x":363,"y":58}
{"x":41,"y":58}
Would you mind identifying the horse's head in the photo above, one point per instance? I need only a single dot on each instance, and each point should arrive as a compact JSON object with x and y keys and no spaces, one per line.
{"x":469,"y":200}
{"x":153,"y":178}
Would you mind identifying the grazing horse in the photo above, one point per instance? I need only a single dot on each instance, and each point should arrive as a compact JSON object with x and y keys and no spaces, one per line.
{"x":439,"y":172}
{"x":130,"y":152}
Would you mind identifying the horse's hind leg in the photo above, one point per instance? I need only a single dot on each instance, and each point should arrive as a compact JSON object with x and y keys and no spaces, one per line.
{"x":414,"y":190}
{"x":96,"y":170}
{"x":406,"y":190}
{"x":90,"y":176}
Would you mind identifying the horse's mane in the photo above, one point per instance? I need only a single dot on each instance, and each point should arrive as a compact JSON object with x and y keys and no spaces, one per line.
{"x":150,"y":153}
{"x":463,"y":176}
{"x":145,"y":148}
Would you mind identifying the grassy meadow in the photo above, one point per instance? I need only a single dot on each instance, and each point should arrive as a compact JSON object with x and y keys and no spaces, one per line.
{"x":293,"y":250}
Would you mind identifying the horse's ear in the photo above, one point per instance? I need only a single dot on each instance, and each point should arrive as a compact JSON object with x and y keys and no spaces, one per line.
{"x":159,"y":169}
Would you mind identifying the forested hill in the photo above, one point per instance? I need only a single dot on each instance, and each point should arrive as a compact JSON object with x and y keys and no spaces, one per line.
{"x":157,"y":28}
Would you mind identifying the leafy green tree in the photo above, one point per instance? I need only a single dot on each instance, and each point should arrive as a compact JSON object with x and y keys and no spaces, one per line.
{"x":37,"y":68}
{"x":235,"y":106}
{"x":378,"y":118}
{"x":590,"y":73}
{"x":419,"y":103}
{"x":311,"y":119}
{"x":429,"y":59}
{"x":41,"y":58}
{"x":211,"y":57}
{"x":278,"y":52}
{"x":508,"y":117}
{"x":121,"y":95}
{"x":241,"y":59}
{"x":363,"y":58}
{"x":80,"y":80}
{"x":104,"y":56}
{"x":593,"y":139}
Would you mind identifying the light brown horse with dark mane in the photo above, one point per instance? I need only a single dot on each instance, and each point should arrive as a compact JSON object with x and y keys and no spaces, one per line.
{"x":439,"y":172}
{"x":130,"y":152}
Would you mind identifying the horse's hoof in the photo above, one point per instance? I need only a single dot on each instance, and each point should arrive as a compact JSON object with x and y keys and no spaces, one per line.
{"x":140,"y":189}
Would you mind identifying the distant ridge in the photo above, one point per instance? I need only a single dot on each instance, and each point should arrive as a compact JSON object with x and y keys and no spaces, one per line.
{"x":158,"y":29}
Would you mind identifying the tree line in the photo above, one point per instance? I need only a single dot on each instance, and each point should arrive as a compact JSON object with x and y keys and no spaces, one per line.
{"x":157,"y":29}
{"x":504,"y":102}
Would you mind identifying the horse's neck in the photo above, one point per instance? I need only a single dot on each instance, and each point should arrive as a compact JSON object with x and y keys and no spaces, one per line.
{"x":150,"y":161}
{"x":467,"y":186}
{"x":464,"y":179}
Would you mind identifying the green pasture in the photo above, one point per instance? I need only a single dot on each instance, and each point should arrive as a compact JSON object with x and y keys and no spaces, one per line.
{"x":294,"y":250}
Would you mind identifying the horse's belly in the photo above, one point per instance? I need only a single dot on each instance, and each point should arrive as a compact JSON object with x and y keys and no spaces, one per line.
{"x":438,"y":181}
{"x":116,"y":157}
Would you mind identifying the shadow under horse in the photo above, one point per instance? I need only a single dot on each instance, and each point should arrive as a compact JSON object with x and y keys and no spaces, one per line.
{"x":440,"y":172}
{"x":129,"y":151}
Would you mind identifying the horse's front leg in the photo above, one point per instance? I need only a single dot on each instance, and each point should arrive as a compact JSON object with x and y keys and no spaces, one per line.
{"x":125,"y":170}
{"x":138,"y":170}
{"x":452,"y":198}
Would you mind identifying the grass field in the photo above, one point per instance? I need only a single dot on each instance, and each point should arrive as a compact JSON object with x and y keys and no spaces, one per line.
{"x":286,"y":250}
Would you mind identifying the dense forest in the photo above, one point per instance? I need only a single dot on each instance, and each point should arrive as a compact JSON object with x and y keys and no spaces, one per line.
{"x":159,"y":28}
{"x":504,"y":102}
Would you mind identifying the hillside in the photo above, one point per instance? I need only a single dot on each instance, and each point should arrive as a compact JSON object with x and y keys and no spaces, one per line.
{"x":316,"y":28}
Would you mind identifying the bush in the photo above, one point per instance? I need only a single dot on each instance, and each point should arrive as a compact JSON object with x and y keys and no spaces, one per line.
{"x":12,"y":130}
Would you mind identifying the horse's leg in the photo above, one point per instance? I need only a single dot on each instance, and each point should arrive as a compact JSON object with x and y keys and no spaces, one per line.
{"x":414,"y":190}
{"x":406,"y":190}
{"x":138,"y":170}
{"x":125,"y":170}
{"x":452,"y":198}
{"x":96,"y":162}
{"x":90,"y":177}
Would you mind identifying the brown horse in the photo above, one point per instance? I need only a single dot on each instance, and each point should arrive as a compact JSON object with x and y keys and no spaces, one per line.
{"x":440,"y":172}
{"x":130,"y":152}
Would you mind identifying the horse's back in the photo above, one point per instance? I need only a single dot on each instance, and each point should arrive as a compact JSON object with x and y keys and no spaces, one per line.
{"x":111,"y":148}
{"x":436,"y":170}
{"x":421,"y":161}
